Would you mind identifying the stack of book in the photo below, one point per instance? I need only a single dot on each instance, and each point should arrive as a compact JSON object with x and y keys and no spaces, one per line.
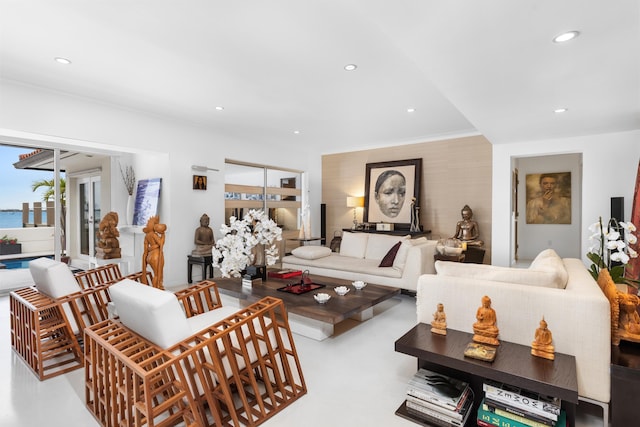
{"x":507,"y":406}
{"x":438,"y":399}
{"x":249,"y":282}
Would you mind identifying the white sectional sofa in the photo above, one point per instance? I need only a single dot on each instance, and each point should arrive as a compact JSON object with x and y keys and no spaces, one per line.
{"x":561,"y":290}
{"x":361,"y":256}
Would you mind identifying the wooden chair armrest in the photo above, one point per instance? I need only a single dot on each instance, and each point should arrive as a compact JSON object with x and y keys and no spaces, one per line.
{"x":199,"y":298}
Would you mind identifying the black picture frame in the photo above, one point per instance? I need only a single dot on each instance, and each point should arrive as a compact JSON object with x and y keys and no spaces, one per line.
{"x":375,"y":210}
{"x":199,"y":182}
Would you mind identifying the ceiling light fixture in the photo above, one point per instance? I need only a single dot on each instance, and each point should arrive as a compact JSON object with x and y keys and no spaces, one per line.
{"x":350,"y":67}
{"x":219,"y":108}
{"x":565,"y":37}
{"x":560,"y":110}
{"x":61,"y":60}
{"x":297,"y":132}
{"x":411,"y":110}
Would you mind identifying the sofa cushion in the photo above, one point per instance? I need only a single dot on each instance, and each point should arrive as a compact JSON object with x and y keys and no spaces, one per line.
{"x":150,"y":312}
{"x":311,"y":252}
{"x":379,"y":244}
{"x":549,"y":261}
{"x":53,"y":278}
{"x":354,"y":244}
{"x":387,"y":261}
{"x":549,"y":277}
{"x":403,"y":251}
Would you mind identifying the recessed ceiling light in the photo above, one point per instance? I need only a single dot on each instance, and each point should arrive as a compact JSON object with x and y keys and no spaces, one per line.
{"x":219,"y":108}
{"x":350,"y":67}
{"x":297,"y":132}
{"x":61,"y":60}
{"x":411,"y":110}
{"x":565,"y":37}
{"x":560,"y":110}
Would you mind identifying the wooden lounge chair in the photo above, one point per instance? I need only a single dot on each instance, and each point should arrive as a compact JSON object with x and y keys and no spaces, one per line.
{"x":155,"y":366}
{"x":48,"y":319}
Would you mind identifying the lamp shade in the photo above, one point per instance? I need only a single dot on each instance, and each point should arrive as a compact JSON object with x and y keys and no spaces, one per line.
{"x":355,"y":202}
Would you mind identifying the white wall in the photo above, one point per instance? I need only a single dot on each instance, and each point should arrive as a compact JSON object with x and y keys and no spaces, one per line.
{"x":163,"y":147}
{"x":609,"y":166}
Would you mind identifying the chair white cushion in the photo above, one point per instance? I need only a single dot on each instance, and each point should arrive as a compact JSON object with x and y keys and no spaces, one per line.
{"x":311,"y":252}
{"x":354,"y":245}
{"x":53,"y":278}
{"x":548,"y":271}
{"x":150,"y":312}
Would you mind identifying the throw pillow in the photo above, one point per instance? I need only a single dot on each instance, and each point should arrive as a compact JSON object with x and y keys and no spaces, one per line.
{"x":311,"y":252}
{"x":379,"y":244}
{"x":388,"y":259}
{"x":354,"y":244}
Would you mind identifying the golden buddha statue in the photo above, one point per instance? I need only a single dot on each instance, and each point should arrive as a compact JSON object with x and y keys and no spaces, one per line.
{"x":485,"y":329}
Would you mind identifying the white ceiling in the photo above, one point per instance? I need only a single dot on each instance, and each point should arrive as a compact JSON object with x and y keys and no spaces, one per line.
{"x":276,"y":66}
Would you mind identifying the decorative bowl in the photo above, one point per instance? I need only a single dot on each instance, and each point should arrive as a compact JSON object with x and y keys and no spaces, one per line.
{"x":322,"y":298}
{"x":359,"y":284}
{"x":341,"y":290}
{"x":452,"y":251}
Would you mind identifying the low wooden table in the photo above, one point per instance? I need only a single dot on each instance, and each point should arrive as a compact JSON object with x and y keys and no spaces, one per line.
{"x":513,"y":365}
{"x":306,"y":316}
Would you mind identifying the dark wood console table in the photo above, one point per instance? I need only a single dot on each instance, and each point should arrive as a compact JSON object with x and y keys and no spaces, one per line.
{"x":625,"y":383}
{"x":413,"y":234}
{"x":513,"y":365}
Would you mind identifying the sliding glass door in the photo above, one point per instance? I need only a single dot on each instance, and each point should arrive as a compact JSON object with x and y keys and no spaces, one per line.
{"x":89,"y":214}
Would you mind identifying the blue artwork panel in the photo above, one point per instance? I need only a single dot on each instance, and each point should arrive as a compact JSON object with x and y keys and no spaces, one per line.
{"x":147,"y":197}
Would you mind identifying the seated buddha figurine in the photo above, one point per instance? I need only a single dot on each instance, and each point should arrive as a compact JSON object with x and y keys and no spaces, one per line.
{"x":485,"y":330}
{"x":467,"y":230}
{"x":542,"y":345}
{"x":439,"y":324}
{"x":203,"y":238}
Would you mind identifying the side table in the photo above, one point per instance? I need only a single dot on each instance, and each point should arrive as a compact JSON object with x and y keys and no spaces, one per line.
{"x":204,"y":261}
{"x":625,"y":383}
{"x":453,"y":258}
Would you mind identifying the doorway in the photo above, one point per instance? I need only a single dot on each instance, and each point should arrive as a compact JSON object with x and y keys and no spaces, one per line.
{"x":89,"y":215}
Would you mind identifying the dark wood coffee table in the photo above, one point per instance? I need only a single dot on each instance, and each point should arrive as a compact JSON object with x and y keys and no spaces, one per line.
{"x":306,"y":316}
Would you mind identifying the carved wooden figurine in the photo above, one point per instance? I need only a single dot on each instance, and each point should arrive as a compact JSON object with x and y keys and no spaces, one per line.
{"x":108,"y":244}
{"x":485,"y":329}
{"x":439,"y":324}
{"x":153,"y":255}
{"x":542,"y":346}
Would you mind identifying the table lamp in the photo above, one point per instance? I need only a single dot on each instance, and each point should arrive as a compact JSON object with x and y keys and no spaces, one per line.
{"x":355,"y":203}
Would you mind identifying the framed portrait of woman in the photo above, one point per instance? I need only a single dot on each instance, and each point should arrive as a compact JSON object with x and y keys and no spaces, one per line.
{"x":389,"y":188}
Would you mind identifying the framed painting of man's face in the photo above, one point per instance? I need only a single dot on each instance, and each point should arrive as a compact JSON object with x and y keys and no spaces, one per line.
{"x":548,"y":198}
{"x":389,"y":189}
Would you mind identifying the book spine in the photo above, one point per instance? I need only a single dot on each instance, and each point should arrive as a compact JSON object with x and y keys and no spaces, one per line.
{"x":481,"y":423}
{"x":420,"y":394}
{"x":517,"y":397}
{"x":428,"y":405}
{"x":497,"y":420}
{"x":434,"y":415}
{"x":501,"y":421}
{"x":508,"y":400}
{"x":517,"y":411}
{"x":506,"y":414}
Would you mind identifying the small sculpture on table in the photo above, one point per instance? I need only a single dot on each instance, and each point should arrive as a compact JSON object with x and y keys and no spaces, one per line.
{"x":467,"y":230}
{"x":542,"y":345}
{"x":153,"y":255}
{"x":629,"y":319}
{"x":203,"y":239}
{"x":108,"y":244}
{"x":439,"y":324}
{"x":485,"y":329}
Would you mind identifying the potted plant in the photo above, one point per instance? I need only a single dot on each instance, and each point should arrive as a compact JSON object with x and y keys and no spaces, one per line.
{"x":9,"y":246}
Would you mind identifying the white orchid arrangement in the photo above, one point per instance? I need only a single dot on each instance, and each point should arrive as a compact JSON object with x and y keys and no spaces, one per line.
{"x":234,"y":252}
{"x":610,"y":249}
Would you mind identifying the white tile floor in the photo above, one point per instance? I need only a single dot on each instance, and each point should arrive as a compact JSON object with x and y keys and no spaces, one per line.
{"x":354,"y":379}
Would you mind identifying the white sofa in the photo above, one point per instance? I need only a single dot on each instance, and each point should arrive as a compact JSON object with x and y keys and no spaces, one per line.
{"x":361,"y":255}
{"x":561,"y":290}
